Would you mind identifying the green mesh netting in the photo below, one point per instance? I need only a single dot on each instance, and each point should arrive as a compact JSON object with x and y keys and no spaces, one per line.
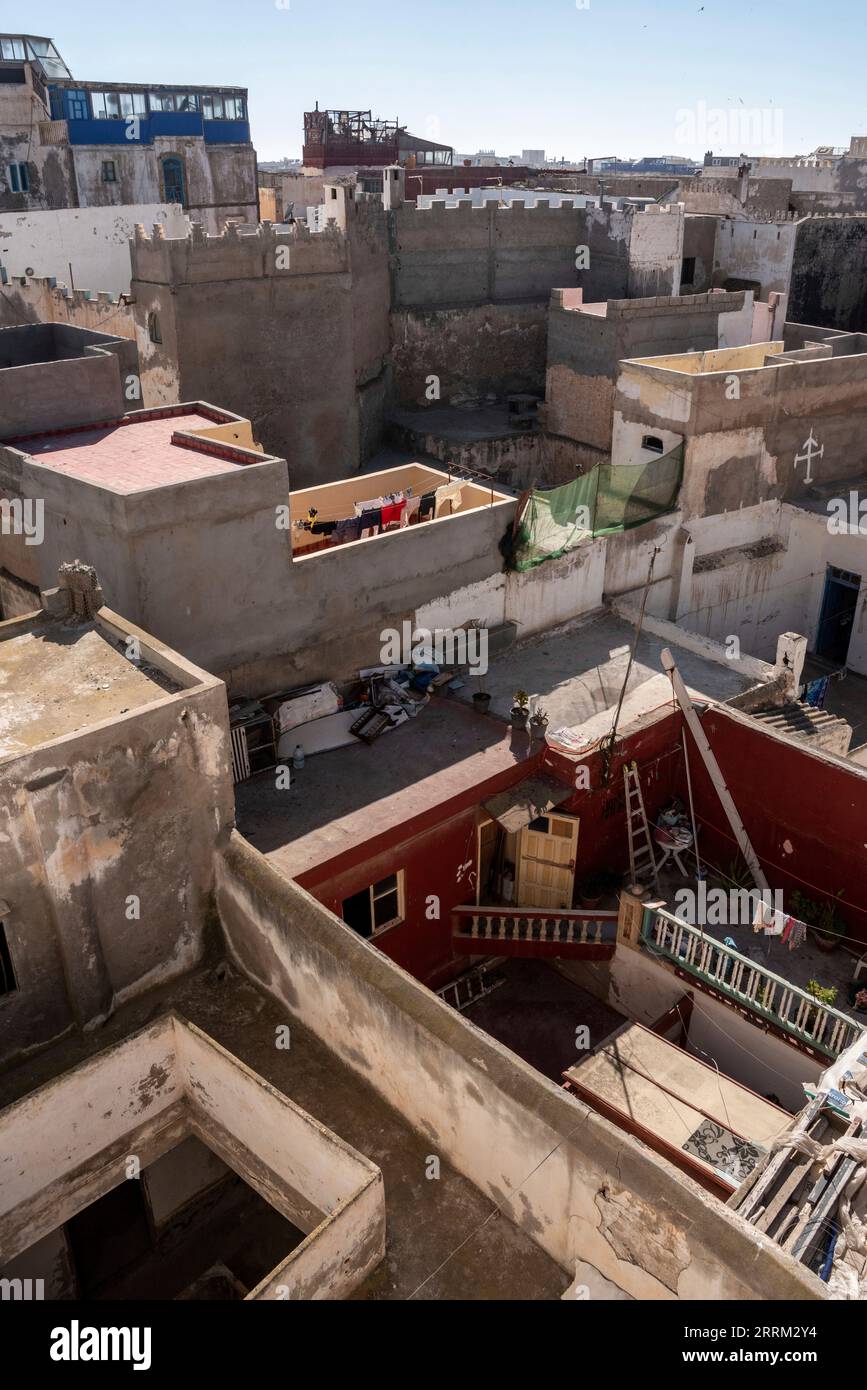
{"x":608,"y":498}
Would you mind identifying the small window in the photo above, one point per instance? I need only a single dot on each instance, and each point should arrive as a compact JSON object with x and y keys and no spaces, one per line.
{"x":687,"y":270}
{"x":376,"y":908}
{"x":109,"y":171}
{"x":7,"y":974}
{"x":154,"y":328}
{"x":652,"y":443}
{"x":334,"y":192}
{"x":18,"y":176}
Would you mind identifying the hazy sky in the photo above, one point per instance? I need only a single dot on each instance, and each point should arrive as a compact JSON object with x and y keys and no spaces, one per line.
{"x":625,"y":77}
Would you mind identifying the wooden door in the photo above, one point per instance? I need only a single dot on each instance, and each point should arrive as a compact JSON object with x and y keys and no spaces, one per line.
{"x":547,"y":849}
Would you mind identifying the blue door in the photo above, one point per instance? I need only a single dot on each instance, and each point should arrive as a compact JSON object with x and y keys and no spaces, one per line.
{"x":838,"y":613}
{"x":174,"y":189}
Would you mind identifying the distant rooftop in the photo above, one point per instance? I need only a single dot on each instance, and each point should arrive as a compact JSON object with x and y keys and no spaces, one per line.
{"x":32,"y":48}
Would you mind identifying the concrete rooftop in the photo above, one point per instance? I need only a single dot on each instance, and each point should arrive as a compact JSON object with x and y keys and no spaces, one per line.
{"x":348,"y":796}
{"x":576,"y":673}
{"x":57,"y":679}
{"x":132,"y":457}
{"x":445,"y":1239}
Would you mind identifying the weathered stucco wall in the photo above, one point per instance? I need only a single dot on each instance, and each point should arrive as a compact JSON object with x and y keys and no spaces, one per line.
{"x":584,"y":349}
{"x":131,"y":805}
{"x":285,"y":329}
{"x":829,"y":275}
{"x":582,"y":1189}
{"x":475,"y":351}
{"x":146,"y":1095}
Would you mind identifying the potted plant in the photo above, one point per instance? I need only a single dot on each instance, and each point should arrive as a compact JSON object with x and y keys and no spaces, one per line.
{"x":820,"y":914}
{"x":520,"y":709}
{"x":823,"y":995}
{"x":481,"y":699}
{"x":539,"y":722}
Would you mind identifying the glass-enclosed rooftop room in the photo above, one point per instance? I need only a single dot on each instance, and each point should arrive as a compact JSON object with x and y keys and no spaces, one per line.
{"x":27,"y":48}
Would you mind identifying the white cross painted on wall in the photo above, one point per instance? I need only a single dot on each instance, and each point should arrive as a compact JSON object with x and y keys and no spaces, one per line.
{"x":812,"y":450}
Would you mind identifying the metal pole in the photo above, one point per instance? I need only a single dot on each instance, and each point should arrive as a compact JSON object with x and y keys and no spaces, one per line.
{"x":694,"y":724}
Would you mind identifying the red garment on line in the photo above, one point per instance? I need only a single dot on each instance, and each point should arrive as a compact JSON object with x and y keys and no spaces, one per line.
{"x":392,"y":512}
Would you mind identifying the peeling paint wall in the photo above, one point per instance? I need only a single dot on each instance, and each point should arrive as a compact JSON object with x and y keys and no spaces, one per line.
{"x":133,"y":806}
{"x":145,"y":1097}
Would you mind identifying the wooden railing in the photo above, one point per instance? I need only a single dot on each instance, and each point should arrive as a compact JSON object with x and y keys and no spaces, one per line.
{"x":534,"y":930}
{"x":747,"y":983}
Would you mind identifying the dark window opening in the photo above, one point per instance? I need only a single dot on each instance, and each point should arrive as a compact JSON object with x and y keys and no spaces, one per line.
{"x":154,"y":328}
{"x":19,"y":178}
{"x":687,"y":270}
{"x":7,"y":974}
{"x":376,"y":907}
{"x":653,"y":443}
{"x":109,"y":171}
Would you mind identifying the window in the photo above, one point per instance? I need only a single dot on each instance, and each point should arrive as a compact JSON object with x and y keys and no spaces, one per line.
{"x":116,"y":106}
{"x":174,"y":183}
{"x":652,"y":443}
{"x":7,"y":974}
{"x":109,"y":171}
{"x":376,"y":908}
{"x":154,"y":328}
{"x":687,"y":270}
{"x":11,"y":49}
{"x":212,"y":107}
{"x":162,"y":101}
{"x":18,"y":178}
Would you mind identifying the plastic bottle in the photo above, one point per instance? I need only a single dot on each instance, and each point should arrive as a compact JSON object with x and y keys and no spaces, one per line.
{"x":298,"y":756}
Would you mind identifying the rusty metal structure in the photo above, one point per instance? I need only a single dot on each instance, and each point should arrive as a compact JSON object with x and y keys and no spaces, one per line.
{"x":358,"y":139}
{"x":348,"y":137}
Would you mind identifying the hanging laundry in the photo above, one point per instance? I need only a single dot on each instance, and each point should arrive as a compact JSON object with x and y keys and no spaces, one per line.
{"x":817,"y":691}
{"x":797,"y":934}
{"x":348,"y":530}
{"x":323,"y":528}
{"x":392,"y":513}
{"x":447,"y":495}
{"x":371,"y":521}
{"x":427,"y":506}
{"x":410,"y":511}
{"x":374,"y":504}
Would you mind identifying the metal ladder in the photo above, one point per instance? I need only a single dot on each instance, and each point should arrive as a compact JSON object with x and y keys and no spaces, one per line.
{"x":468,"y":988}
{"x":642,"y":860}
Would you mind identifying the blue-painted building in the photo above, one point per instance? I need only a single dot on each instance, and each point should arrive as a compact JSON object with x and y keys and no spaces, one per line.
{"x":65,"y":143}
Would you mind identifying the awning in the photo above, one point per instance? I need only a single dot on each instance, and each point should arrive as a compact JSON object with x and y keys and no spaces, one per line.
{"x":524,"y":802}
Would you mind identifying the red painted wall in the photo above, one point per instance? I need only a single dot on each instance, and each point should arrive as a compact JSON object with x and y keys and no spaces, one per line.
{"x":806,"y":815}
{"x":433,"y":855}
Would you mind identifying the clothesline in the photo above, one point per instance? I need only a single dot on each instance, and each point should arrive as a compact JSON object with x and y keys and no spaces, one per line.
{"x":370,"y":517}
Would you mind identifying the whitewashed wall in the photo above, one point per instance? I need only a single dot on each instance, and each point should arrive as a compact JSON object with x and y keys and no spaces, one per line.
{"x":93,"y":241}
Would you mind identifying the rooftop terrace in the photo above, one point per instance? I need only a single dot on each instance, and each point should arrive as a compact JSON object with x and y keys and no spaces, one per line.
{"x":148,"y":449}
{"x":353,"y":794}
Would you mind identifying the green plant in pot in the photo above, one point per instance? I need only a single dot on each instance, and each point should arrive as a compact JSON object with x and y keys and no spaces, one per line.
{"x":828,"y":930}
{"x":823,"y":994}
{"x":539,"y":722}
{"x":520,"y":709}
